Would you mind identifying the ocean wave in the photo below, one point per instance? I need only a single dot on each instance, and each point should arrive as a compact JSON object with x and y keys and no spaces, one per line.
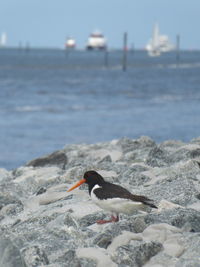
{"x":28,"y":108}
{"x":184,"y":65}
{"x":52,"y":109}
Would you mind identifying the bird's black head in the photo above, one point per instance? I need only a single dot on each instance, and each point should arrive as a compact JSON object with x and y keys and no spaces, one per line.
{"x":92,"y":178}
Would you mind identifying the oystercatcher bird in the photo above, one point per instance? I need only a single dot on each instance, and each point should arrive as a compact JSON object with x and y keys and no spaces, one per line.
{"x":112,"y":197}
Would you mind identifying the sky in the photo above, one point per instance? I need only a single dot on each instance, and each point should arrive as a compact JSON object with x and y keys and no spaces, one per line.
{"x":47,"y":23}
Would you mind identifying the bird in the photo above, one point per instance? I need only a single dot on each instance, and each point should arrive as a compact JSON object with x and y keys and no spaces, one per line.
{"x":112,"y":197}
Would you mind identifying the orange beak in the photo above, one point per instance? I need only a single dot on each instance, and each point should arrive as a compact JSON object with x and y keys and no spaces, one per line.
{"x":76,"y":185}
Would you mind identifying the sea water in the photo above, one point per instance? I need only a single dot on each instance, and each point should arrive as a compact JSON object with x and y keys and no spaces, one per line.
{"x":49,"y":98}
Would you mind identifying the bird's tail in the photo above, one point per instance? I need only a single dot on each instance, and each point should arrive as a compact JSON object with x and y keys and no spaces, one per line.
{"x":145,"y":200}
{"x":149,"y":202}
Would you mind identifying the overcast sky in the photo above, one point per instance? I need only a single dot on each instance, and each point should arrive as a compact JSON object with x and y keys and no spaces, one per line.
{"x":47,"y":23}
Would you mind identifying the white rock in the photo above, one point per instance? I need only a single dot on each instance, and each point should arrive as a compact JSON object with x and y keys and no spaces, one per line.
{"x":101,"y":153}
{"x":98,"y":254}
{"x":167,"y":235}
{"x":4,"y":174}
{"x":172,"y":246}
{"x":123,"y":239}
{"x":40,"y":175}
{"x":195,"y":206}
{"x":167,"y":205}
{"x":107,"y":174}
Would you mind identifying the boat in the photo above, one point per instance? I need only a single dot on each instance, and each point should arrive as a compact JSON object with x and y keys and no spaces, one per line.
{"x":70,"y":43}
{"x":96,"y":41}
{"x":3,"y":39}
{"x":158,"y":43}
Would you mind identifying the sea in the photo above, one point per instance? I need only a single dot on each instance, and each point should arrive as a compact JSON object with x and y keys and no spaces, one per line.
{"x":51,"y":97}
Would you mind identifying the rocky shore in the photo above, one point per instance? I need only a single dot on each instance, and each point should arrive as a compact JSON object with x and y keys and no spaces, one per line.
{"x":41,"y":224}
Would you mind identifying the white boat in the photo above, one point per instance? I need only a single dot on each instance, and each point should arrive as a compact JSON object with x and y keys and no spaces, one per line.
{"x":158,"y":43}
{"x":96,"y":41}
{"x":3,"y":39}
{"x":70,"y":43}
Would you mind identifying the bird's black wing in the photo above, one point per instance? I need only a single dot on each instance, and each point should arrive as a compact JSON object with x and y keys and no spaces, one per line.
{"x":109,"y":190}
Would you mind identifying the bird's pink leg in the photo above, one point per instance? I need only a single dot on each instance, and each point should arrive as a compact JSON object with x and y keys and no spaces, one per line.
{"x":113,"y":219}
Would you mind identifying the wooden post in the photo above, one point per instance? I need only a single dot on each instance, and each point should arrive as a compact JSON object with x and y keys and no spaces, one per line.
{"x":27,"y":48}
{"x":177,"y":49}
{"x":124,"y":61}
{"x":132,"y":48}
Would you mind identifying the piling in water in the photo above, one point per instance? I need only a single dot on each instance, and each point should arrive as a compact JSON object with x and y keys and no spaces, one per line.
{"x":124,"y":60}
{"x":177,"y":49}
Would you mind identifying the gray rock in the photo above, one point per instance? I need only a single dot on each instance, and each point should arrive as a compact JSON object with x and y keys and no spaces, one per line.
{"x":5,"y":175}
{"x":103,"y":240}
{"x":191,"y":255}
{"x":58,"y":158}
{"x":106,"y":236}
{"x":137,"y":253}
{"x":178,"y":189}
{"x":84,"y":262}
{"x":11,"y":209}
{"x":188,"y":263}
{"x":34,"y":257}
{"x":158,"y":157}
{"x":10,"y":254}
{"x":10,"y":204}
{"x":41,"y":191}
{"x":106,"y":159}
{"x":91,"y":219}
{"x":69,"y":259}
{"x":179,"y":217}
{"x":184,"y":154}
{"x":70,"y":221}
{"x":134,"y":176}
{"x":8,"y":198}
{"x":127,"y":144}
{"x":135,"y":224}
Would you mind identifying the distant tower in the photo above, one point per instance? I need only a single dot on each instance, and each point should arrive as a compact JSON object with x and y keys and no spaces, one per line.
{"x":3,"y":40}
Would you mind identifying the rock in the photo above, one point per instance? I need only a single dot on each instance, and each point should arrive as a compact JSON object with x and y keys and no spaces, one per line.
{"x":97,"y":256}
{"x":70,"y":259}
{"x":191,"y":242}
{"x":70,"y":221}
{"x":8,"y":198}
{"x":158,"y":157}
{"x":91,"y":219}
{"x":10,"y":254}
{"x":188,"y":263}
{"x":106,"y":159}
{"x":11,"y":209}
{"x":179,"y":217}
{"x":5,"y":175}
{"x":186,"y":152}
{"x":103,"y":240}
{"x":135,"y":176}
{"x":137,"y":253}
{"x":41,"y":191}
{"x":30,"y":180}
{"x":129,"y":145}
{"x":34,"y":256}
{"x":58,"y":158}
{"x":136,"y":224}
{"x":178,"y":189}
